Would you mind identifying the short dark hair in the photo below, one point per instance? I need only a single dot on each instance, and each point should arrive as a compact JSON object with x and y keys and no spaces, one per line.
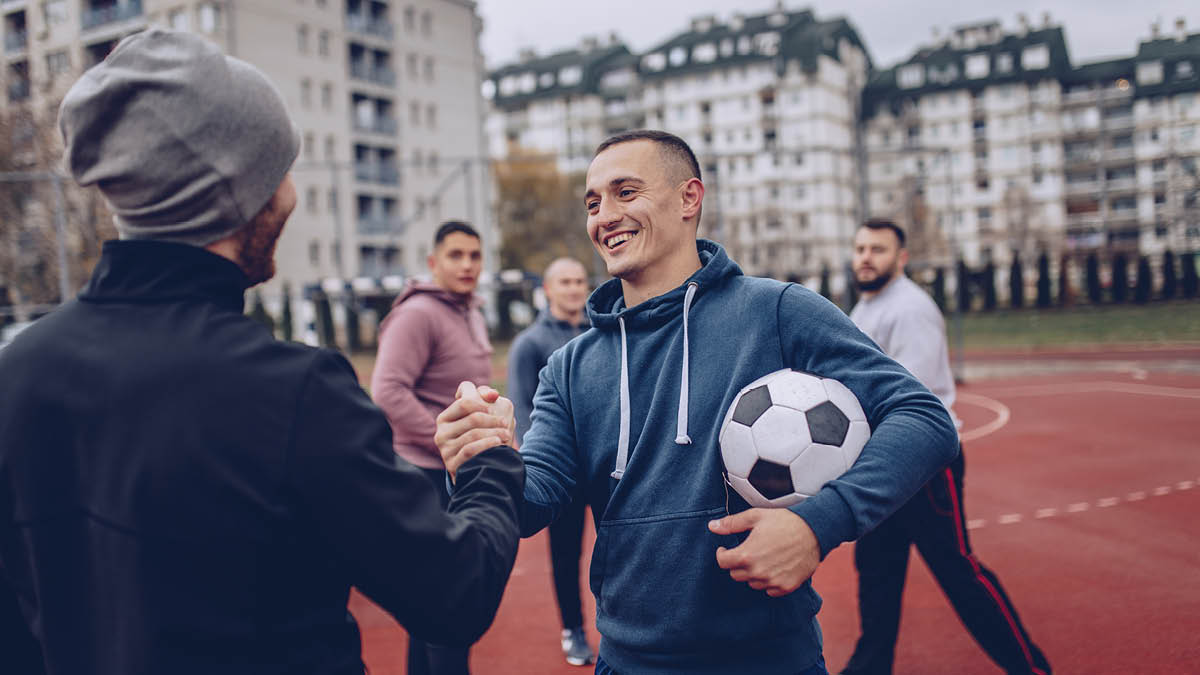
{"x":451,"y":226}
{"x":673,"y":146}
{"x":885,"y":224}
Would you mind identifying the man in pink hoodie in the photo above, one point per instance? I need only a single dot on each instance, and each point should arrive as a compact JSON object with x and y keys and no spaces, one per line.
{"x":433,"y":338}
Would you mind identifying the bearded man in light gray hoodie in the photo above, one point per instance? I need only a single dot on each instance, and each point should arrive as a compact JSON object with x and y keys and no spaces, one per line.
{"x":433,"y":338}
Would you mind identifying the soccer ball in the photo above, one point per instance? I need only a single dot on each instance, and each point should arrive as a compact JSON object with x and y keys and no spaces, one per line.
{"x":788,"y":433}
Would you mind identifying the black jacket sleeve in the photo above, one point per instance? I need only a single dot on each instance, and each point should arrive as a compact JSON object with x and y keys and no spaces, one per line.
{"x":440,"y":574}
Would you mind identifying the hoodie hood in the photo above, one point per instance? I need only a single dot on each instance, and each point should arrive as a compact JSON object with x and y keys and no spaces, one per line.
{"x":607,"y":303}
{"x":460,"y":300}
{"x":606,"y":309}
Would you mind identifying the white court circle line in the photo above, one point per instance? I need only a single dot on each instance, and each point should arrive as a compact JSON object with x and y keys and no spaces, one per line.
{"x":1003,"y":414}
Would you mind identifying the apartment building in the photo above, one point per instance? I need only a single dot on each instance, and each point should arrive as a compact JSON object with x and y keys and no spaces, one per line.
{"x":990,"y":142}
{"x":386,"y":94}
{"x":769,"y":103}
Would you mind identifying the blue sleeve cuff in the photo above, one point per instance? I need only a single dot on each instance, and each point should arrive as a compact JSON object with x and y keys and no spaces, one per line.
{"x":829,"y":517}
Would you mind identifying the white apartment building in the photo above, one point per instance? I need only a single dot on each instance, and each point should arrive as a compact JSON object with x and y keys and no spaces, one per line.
{"x":386,"y":94}
{"x":991,"y":142}
{"x":768,"y":103}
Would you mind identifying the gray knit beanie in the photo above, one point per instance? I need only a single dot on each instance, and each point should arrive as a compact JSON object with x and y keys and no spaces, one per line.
{"x":185,"y":143}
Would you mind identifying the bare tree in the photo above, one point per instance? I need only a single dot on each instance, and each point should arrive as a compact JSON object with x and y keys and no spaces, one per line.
{"x":30,"y":266}
{"x":541,"y":213}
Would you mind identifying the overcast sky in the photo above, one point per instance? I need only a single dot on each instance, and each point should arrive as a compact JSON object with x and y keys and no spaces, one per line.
{"x":1095,"y":29}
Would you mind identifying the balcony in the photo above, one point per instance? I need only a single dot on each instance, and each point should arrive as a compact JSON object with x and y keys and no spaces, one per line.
{"x":99,"y":16}
{"x":1121,"y":185}
{"x":1077,"y":157}
{"x":1078,"y":97}
{"x":1118,"y":123}
{"x":1119,"y":154}
{"x":369,"y":172}
{"x":18,"y":90}
{"x":366,"y":25}
{"x":380,"y":75}
{"x":373,"y":224}
{"x":385,"y":126}
{"x":1084,"y":220}
{"x":15,"y":41}
{"x":1083,"y":188}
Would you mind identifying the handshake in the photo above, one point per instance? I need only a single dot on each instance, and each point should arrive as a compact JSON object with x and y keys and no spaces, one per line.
{"x":480,"y":418}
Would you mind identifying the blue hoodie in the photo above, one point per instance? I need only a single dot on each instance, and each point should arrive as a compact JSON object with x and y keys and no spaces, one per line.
{"x":629,"y":413}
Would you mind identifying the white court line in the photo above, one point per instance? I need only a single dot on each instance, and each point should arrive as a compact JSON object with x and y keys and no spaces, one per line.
{"x":1135,"y":496}
{"x":1160,"y":491}
{"x":1009,"y":518}
{"x":1003,"y":414}
{"x":1107,"y":502}
{"x":1046,"y":513}
{"x":1185,"y":485}
{"x":1094,"y":387}
{"x":976,"y":523}
{"x":1077,"y":507}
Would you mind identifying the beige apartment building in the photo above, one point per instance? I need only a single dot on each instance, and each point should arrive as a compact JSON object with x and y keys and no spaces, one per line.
{"x":385,"y":92}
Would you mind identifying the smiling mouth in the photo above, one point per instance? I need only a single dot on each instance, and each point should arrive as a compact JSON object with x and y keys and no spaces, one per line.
{"x":613,"y":242}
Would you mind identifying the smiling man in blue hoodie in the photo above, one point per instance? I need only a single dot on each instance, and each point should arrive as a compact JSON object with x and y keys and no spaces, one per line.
{"x":687,"y":577}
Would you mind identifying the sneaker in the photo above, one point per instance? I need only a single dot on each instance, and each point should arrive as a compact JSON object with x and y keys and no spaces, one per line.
{"x":575,"y":647}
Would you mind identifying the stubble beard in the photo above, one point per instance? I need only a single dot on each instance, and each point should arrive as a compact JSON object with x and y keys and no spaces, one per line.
{"x":257,"y":241}
{"x":877,"y":283}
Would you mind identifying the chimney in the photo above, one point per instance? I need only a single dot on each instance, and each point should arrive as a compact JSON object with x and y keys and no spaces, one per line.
{"x":737,"y":22}
{"x":589,"y":43}
{"x":1045,"y":20}
{"x":1023,"y":22}
{"x":613,"y":40}
{"x":526,"y":54}
{"x":1181,"y":29}
{"x":1155,"y":30}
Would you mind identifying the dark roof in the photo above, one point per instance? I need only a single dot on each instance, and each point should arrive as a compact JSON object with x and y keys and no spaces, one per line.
{"x":1099,"y":72}
{"x":593,"y":62}
{"x":882,"y":88}
{"x":1172,"y":53}
{"x":801,"y":38}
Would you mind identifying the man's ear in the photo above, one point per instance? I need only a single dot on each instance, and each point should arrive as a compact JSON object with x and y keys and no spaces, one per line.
{"x":692,"y":195}
{"x":902,"y":258}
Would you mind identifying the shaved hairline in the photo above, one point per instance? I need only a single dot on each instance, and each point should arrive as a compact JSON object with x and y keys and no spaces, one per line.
{"x":556,"y":267}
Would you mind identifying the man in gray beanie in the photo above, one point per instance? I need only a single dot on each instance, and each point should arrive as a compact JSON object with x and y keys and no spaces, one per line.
{"x":180,"y":492}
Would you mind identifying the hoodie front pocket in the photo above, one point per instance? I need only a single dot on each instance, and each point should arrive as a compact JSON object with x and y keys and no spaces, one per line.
{"x":659,"y":588}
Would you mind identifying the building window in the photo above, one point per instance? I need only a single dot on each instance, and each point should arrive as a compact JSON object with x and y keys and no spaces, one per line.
{"x":410,"y":64}
{"x":429,"y":69}
{"x":305,"y":93}
{"x":332,"y":200}
{"x":323,"y":43}
{"x":310,"y":199}
{"x":431,"y":116}
{"x":911,"y":76}
{"x":210,"y":17}
{"x":309,"y":146}
{"x":1004,"y":63}
{"x":179,"y":19}
{"x":302,"y":38}
{"x":314,"y":253}
{"x":977,"y":66}
{"x":327,"y":96}
{"x":330,"y":148}
{"x":1184,"y":70}
{"x":1036,"y":57}
{"x":58,"y":63}
{"x":414,"y":113}
{"x":426,"y":23}
{"x":55,"y":12}
{"x":1149,"y":72}
{"x":410,"y":19}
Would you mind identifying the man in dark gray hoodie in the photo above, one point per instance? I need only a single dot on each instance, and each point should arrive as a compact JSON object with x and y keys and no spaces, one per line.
{"x":566,"y":287}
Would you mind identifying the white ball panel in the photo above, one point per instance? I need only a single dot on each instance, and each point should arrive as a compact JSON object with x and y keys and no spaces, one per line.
{"x":818,"y":465}
{"x":856,"y":438}
{"x":780,"y":434}
{"x":845,"y":400}
{"x":737,"y":449}
{"x":747,"y":491}
{"x":799,"y":391}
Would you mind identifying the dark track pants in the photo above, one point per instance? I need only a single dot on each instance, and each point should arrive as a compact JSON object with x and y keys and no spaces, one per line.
{"x":934,"y":520}
{"x":424,"y":658}
{"x":566,"y":546}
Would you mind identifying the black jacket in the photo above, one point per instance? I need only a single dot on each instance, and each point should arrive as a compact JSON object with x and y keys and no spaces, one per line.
{"x":182,"y":493}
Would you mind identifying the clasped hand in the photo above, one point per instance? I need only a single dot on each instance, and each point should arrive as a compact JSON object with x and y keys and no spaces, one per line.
{"x":480,"y":418}
{"x":780,"y":554}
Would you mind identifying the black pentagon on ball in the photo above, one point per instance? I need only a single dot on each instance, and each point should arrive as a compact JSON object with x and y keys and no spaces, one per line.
{"x":827,"y":424}
{"x":770,"y":479}
{"x":752,"y":405}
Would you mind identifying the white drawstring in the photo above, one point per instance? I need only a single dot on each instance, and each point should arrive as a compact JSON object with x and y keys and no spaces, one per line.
{"x":623,"y":440}
{"x":681,"y":422}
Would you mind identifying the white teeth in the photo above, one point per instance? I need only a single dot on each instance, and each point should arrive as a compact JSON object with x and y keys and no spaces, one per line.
{"x":614,"y":240}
